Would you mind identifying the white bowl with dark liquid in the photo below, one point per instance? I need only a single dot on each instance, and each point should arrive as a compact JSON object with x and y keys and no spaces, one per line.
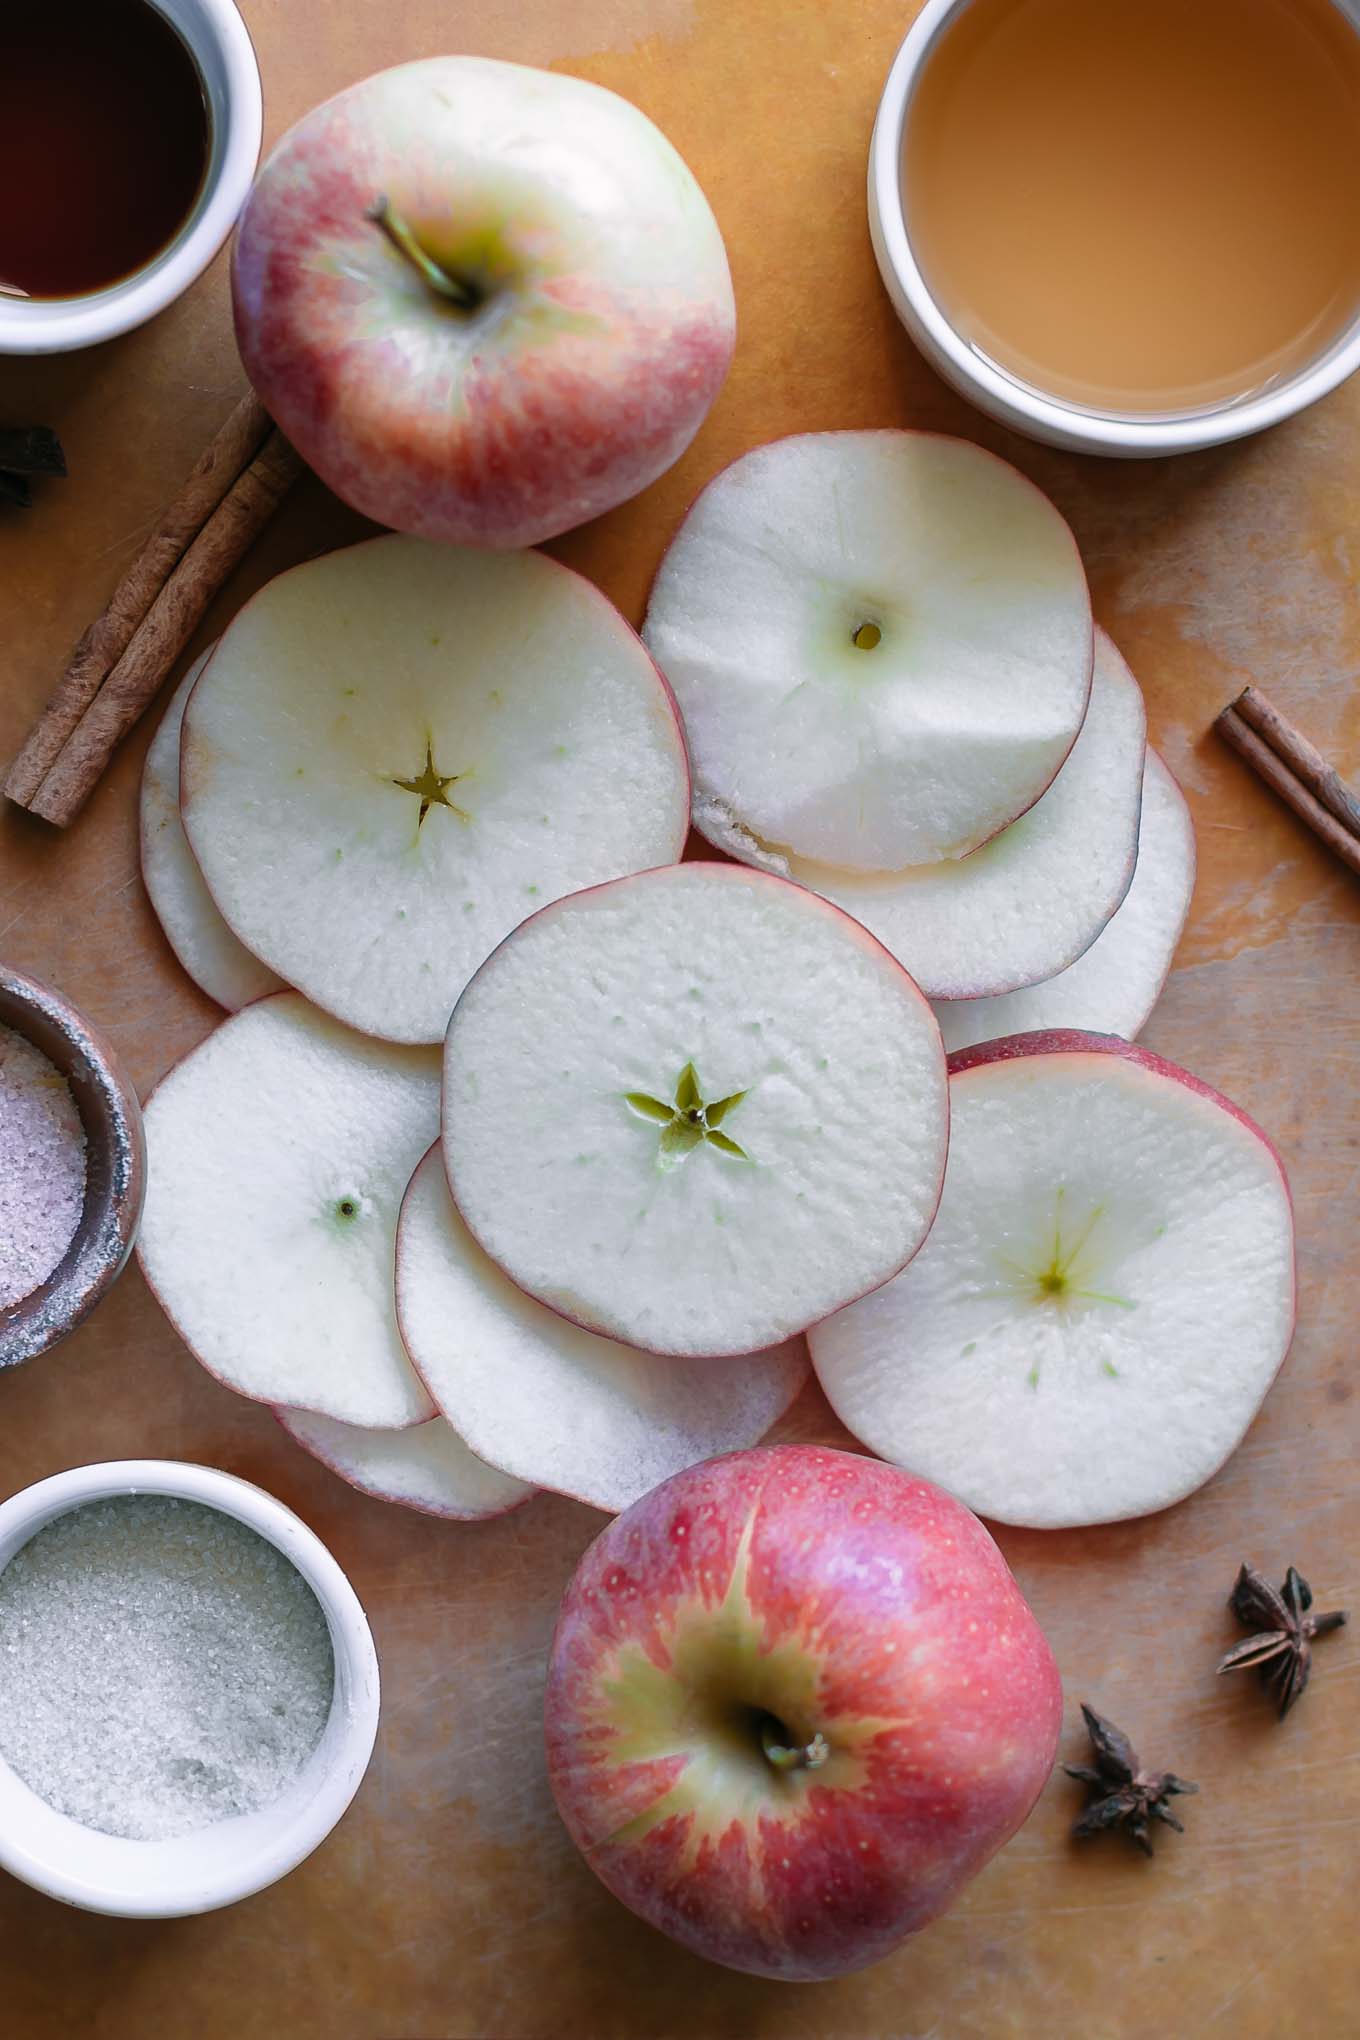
{"x":224,"y":56}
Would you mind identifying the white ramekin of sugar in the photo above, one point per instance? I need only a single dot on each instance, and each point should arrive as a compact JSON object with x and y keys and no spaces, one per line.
{"x":235,"y":1854}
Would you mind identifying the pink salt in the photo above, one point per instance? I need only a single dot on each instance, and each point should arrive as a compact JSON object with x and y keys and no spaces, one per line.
{"x":42,"y":1167}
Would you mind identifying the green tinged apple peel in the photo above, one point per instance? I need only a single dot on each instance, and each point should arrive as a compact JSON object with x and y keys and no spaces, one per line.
{"x":795,"y":1701}
{"x":718,"y":1701}
{"x":464,"y":291}
{"x":529,"y":332}
{"x":474,"y":269}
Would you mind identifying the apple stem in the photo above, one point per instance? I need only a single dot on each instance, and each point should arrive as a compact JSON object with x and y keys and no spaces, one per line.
{"x":810,"y":1757}
{"x":453,"y":288}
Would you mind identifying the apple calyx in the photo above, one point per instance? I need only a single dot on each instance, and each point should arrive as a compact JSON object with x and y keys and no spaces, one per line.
{"x":459,"y":291}
{"x":1072,"y":1262}
{"x":786,"y":1757}
{"x":688,"y":1121}
{"x":432,"y":787}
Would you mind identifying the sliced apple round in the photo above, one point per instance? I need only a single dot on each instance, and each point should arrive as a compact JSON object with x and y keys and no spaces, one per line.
{"x":695,"y":1110}
{"x":556,"y":1405}
{"x":427,"y":1467}
{"x":278,"y":1152}
{"x":881,"y":643}
{"x":1029,"y":902}
{"x":400,"y":750}
{"x":1113,"y":987}
{"x":218,"y":964}
{"x":1105,"y":1298}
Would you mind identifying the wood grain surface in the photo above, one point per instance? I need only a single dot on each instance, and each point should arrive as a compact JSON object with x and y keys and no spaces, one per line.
{"x":449,"y":1904}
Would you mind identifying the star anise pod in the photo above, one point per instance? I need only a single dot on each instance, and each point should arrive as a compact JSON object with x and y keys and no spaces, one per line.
{"x":1123,"y":1793}
{"x":1283,"y":1628}
{"x":25,"y":451}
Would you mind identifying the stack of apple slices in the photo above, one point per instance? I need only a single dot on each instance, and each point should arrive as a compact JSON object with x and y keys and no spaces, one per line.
{"x":289,"y":1252}
{"x":392,"y":755}
{"x":688,"y":1113}
{"x":882,"y":646}
{"x":215,"y":959}
{"x":300,"y":1233}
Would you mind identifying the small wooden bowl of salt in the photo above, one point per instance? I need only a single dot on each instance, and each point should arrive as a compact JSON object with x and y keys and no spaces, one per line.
{"x":72,"y":1167}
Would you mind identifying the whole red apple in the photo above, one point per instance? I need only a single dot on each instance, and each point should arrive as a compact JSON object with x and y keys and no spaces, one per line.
{"x":484,"y":302}
{"x":796,"y":1700}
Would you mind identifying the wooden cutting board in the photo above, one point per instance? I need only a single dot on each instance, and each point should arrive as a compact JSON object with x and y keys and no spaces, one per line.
{"x":449,"y":1904}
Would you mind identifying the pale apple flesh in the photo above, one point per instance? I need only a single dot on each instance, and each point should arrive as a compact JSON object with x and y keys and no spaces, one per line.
{"x":551,"y":1402}
{"x":218,"y":964}
{"x":795,"y":1702}
{"x":277,"y":1155}
{"x":587,"y":328}
{"x":1104,"y":1300}
{"x":1114,"y":985}
{"x":400,"y":750}
{"x":426,"y":1467}
{"x":1034,"y":898}
{"x":694,"y":1110}
{"x":882,"y":646}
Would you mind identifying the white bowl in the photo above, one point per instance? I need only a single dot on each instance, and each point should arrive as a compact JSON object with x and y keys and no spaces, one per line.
{"x":217,"y":36}
{"x":217,"y":1865}
{"x":987,"y":385}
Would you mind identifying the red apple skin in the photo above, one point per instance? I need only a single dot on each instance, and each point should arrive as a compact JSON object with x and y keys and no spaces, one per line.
{"x":1076,"y":1041}
{"x":606,"y":335}
{"x":849,"y":1600}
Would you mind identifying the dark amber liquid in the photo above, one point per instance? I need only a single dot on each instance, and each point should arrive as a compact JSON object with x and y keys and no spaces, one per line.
{"x":103,"y":142}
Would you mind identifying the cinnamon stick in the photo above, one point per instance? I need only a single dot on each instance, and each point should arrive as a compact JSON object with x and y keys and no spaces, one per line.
{"x":1320,"y":776}
{"x":107,"y":638}
{"x":169,"y":623}
{"x":1278,"y":773}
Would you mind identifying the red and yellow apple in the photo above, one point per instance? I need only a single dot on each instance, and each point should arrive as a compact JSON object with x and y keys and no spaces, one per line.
{"x":795,"y":1702}
{"x":484,"y":302}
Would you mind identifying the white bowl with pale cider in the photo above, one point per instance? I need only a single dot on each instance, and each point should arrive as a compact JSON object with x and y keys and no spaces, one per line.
{"x":1130,"y":227}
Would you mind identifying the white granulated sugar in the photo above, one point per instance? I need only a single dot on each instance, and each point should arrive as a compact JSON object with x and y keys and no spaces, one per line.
{"x":42,"y":1167}
{"x":162,"y":1667}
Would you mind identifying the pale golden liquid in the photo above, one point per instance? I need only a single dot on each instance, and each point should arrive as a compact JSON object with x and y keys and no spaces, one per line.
{"x":1141,"y":205}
